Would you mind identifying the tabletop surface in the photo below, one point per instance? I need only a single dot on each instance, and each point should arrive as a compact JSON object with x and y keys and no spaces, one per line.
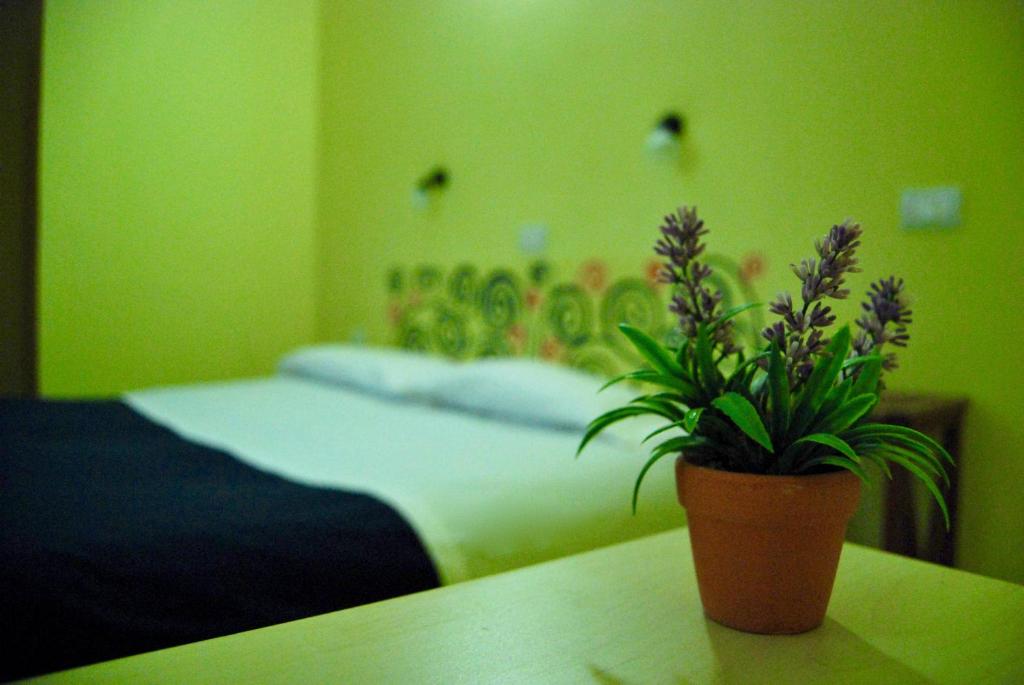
{"x":623,"y":614}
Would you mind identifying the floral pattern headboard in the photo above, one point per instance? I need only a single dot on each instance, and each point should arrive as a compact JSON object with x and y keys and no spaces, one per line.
{"x":465,"y":312}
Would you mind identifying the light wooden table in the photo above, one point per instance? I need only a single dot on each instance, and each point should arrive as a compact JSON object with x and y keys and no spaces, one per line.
{"x":623,"y":614}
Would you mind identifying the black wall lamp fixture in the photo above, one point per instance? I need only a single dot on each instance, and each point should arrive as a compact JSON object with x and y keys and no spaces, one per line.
{"x":434,"y":181}
{"x":664,"y":139}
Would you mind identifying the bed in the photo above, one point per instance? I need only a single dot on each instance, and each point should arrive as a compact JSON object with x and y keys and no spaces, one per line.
{"x":177,"y":514}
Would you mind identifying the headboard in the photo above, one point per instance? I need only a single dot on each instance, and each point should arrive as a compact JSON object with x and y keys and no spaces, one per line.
{"x":465,"y":312}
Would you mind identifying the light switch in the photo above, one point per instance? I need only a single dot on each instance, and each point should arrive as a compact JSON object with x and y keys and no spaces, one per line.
{"x":936,"y":207}
{"x":533,"y":238}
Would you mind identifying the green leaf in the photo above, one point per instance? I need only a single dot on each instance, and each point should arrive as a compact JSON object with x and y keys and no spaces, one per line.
{"x":629,"y":375}
{"x":677,"y":383}
{"x":867,"y":378}
{"x":683,"y":354}
{"x":921,"y":476}
{"x":757,"y":385}
{"x":666,"y":397}
{"x":613,"y":416}
{"x":748,"y":385}
{"x":678,"y":444}
{"x":745,"y":416}
{"x":821,"y":380}
{"x":733,"y":311}
{"x":925,"y":461}
{"x":692,"y":415}
{"x":924,"y":453}
{"x":883,"y":429}
{"x":878,"y":461}
{"x":834,"y":399}
{"x":863,"y":359}
{"x":692,"y":418}
{"x":738,"y":377}
{"x":651,"y":350}
{"x":666,"y":427}
{"x":707,"y":372}
{"x":664,"y":404}
{"x":801,"y":448}
{"x":778,"y":393}
{"x":667,"y":447}
{"x":843,"y":462}
{"x":847,"y":414}
{"x":917,"y":452}
{"x":829,"y":440}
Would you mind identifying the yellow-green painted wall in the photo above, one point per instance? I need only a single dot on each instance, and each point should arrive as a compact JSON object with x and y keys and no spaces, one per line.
{"x":223,"y":181}
{"x":177,"y":182}
{"x":800,"y":113}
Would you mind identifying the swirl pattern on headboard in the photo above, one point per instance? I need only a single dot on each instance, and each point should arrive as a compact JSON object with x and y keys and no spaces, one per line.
{"x":467,"y":313}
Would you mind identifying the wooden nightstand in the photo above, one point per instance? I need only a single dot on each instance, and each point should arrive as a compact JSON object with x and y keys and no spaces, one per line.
{"x":906,"y":528}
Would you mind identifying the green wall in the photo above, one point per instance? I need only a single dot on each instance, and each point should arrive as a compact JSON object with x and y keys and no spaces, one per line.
{"x":177,"y":190}
{"x":222,"y":181}
{"x":801,"y":114}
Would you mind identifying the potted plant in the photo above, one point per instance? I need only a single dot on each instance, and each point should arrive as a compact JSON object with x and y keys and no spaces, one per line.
{"x":771,"y":446}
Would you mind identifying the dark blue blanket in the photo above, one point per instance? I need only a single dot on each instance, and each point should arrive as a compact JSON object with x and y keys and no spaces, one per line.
{"x":119,"y":537}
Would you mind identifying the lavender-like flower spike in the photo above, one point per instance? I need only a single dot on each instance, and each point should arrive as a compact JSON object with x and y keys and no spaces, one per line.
{"x":820,"y":278}
{"x":885,"y":305}
{"x":693,"y":302}
{"x":836,"y":260}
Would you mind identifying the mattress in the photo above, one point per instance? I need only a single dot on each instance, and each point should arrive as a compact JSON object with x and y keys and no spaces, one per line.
{"x":484,"y":495}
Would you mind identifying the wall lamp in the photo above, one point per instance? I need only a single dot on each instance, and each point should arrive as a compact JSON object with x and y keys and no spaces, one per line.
{"x":431,"y":183}
{"x":663,"y":141}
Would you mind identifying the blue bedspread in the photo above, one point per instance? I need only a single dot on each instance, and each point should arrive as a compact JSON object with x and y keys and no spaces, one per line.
{"x":118,"y":537}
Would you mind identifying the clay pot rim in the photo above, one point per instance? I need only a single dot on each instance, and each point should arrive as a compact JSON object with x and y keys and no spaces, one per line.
{"x":767,"y":500}
{"x":746,"y":476}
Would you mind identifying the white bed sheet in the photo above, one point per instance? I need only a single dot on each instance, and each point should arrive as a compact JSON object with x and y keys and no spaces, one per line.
{"x":483,"y":495}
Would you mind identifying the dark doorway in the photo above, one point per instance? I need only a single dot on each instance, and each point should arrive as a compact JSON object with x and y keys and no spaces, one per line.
{"x":20,"y":48}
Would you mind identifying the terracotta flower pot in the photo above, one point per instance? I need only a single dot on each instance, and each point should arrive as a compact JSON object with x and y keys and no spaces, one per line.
{"x":766,"y":548}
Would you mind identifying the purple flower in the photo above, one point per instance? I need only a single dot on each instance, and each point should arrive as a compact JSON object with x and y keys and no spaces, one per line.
{"x":885,"y":306}
{"x":822,"y":277}
{"x":694,"y":302}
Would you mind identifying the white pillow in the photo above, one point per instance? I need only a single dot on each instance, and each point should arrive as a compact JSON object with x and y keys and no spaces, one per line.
{"x":390,"y":372}
{"x":532,"y":392}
